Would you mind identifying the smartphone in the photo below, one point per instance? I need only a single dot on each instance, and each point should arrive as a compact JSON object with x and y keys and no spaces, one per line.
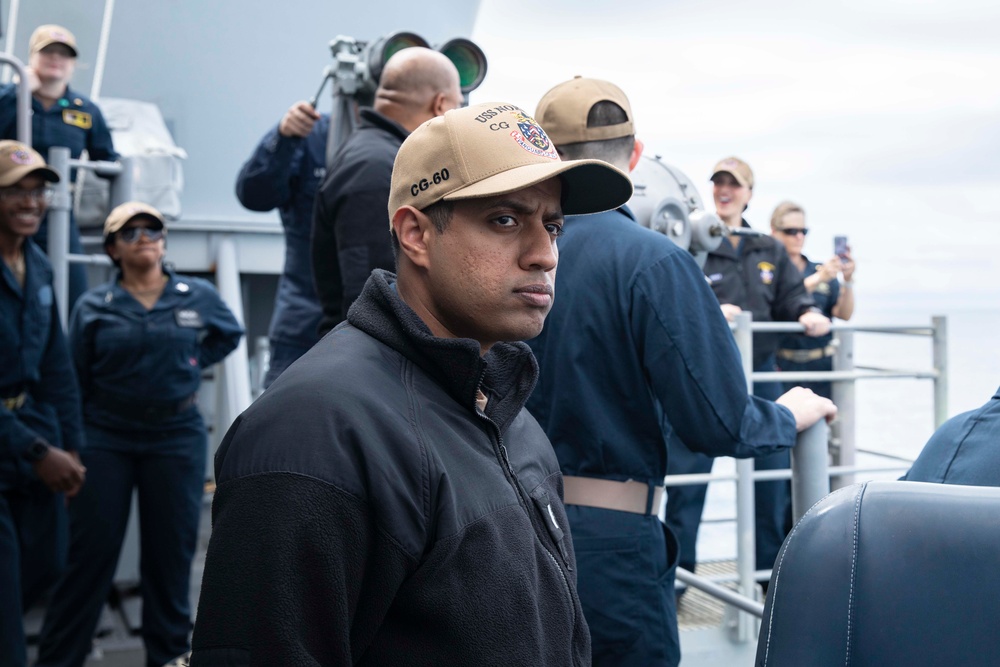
{"x":840,"y":246}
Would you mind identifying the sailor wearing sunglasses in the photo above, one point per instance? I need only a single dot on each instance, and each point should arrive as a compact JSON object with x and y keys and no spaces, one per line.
{"x":140,"y":344}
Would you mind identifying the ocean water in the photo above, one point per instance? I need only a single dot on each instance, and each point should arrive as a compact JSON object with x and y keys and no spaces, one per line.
{"x":894,"y":417}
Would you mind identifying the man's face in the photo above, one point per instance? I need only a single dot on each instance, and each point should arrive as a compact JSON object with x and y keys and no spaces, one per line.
{"x":55,"y":62}
{"x":491,"y":273}
{"x":22,"y":206}
{"x":731,"y":198}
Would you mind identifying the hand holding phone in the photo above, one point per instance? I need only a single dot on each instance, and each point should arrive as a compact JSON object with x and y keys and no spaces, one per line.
{"x":840,"y":246}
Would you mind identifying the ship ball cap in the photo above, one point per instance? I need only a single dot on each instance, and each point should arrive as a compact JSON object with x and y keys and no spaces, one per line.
{"x":18,"y":160}
{"x":122,"y":213}
{"x":492,"y":149}
{"x":45,"y":35}
{"x":564,"y":109}
{"x":738,"y":168}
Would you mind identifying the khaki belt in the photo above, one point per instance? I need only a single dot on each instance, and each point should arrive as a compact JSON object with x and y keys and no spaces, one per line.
{"x":802,"y":356}
{"x":609,"y":494}
{"x":15,"y":402}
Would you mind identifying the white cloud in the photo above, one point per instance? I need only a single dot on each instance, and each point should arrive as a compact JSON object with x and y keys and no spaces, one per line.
{"x":880,"y":116}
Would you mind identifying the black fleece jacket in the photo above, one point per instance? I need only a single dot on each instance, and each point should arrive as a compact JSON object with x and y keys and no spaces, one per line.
{"x":368,"y":513}
{"x":350,"y":229}
{"x":759,"y":276}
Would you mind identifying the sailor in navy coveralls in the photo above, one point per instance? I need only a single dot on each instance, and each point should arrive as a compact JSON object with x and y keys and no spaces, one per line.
{"x":140,"y":344}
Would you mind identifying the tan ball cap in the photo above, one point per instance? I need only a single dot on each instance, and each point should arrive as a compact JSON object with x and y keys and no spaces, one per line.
{"x":738,"y":168}
{"x":563,"y":111}
{"x":492,"y":149}
{"x":125,"y":212}
{"x":17,"y":160}
{"x":45,"y":35}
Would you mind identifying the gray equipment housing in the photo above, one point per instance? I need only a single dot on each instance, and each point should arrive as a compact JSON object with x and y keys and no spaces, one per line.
{"x":667,"y":201}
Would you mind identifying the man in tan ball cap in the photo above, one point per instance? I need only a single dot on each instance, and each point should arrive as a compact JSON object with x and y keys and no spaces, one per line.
{"x":388,"y":500}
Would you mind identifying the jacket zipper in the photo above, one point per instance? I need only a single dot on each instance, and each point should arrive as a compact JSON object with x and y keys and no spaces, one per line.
{"x":529,"y":510}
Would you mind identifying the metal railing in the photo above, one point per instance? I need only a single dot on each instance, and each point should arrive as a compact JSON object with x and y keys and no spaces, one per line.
{"x":23,"y":114}
{"x":810,"y":471}
{"x":61,"y":208}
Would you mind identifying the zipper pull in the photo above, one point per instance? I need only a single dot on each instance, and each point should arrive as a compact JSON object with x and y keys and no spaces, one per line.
{"x":552,"y":524}
{"x":506,"y":460}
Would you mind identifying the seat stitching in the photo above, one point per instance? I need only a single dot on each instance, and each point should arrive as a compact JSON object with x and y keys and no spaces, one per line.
{"x":777,"y":575}
{"x":854,"y":570}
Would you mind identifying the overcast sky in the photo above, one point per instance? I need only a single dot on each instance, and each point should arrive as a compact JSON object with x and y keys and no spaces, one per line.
{"x":881,"y":117}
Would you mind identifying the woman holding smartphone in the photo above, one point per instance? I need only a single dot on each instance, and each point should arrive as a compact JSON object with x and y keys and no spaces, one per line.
{"x":797,"y":352}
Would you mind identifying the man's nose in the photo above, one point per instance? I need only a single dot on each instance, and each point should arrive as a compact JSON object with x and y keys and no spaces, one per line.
{"x":540,"y":251}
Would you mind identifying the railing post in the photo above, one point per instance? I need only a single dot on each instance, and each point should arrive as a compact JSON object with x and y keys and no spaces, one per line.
{"x":810,"y":469}
{"x":844,"y":398}
{"x":235,"y":388}
{"x":261,"y":364}
{"x":940,"y":324}
{"x":122,"y":184}
{"x":58,"y":228}
{"x":745,"y":505}
{"x":23,"y":99}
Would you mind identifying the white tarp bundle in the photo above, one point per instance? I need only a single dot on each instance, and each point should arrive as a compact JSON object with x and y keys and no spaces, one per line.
{"x":138,"y":131}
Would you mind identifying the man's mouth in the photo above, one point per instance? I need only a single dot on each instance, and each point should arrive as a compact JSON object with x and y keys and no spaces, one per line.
{"x":537,"y":295}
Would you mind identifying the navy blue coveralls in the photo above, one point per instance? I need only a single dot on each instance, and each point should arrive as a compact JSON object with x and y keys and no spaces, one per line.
{"x":758,"y":276}
{"x":285,"y":173}
{"x":139,"y":371}
{"x":636,"y":356}
{"x":77,"y":123}
{"x":825,"y":295}
{"x":34,"y":360}
{"x":965,"y":450}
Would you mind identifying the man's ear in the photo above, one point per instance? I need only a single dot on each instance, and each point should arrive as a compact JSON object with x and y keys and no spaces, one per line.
{"x":413,"y":231}
{"x":636,"y":154}
{"x":438,"y":104}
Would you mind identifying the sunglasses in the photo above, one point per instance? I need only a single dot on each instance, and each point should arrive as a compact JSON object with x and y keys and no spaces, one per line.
{"x":132,"y":234}
{"x":794,"y":231}
{"x":39,"y":194}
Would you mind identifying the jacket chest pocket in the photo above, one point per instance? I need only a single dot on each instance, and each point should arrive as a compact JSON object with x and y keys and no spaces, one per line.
{"x":553,"y":516}
{"x":38,"y":318}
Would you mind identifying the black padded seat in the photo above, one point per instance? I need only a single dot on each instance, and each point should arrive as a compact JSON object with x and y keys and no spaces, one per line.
{"x":888,"y":573}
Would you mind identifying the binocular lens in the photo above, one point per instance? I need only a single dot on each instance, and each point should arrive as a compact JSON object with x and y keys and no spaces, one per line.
{"x":398,"y":42}
{"x":469,"y":60}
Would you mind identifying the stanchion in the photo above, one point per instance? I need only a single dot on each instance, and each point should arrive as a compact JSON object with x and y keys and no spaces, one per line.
{"x":810,"y":468}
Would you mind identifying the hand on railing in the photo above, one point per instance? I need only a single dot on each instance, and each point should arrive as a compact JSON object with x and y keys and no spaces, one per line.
{"x":807,"y":407}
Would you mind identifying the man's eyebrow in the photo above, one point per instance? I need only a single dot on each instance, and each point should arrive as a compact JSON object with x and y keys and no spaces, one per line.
{"x":510,"y":204}
{"x":521,"y":208}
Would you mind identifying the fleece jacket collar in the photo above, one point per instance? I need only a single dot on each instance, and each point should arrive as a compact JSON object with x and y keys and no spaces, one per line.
{"x":506,"y":374}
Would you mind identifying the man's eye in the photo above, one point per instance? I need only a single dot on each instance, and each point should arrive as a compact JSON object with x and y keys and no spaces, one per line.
{"x":554,"y":228}
{"x":505,"y":221}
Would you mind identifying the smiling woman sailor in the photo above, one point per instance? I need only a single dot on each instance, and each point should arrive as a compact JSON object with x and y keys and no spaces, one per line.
{"x":140,"y":344}
{"x":40,"y":426}
{"x":60,"y":116}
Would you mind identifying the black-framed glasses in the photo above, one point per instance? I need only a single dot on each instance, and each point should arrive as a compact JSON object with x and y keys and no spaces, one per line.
{"x":132,"y":234}
{"x":38,"y":194}
{"x":794,"y":231}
